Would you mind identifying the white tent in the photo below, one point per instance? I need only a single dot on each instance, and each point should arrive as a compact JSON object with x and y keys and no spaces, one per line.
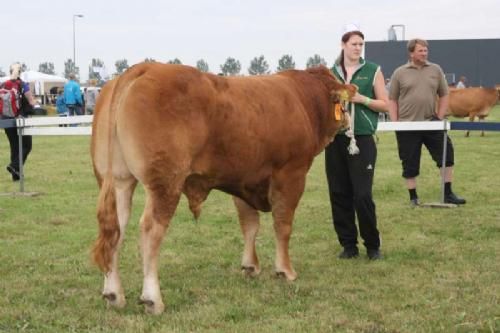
{"x":32,"y":76}
{"x":40,"y":82}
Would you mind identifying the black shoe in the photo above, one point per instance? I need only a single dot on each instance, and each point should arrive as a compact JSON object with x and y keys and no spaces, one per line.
{"x":453,"y":199}
{"x":374,"y":254}
{"x":349,"y":253}
{"x":14,"y":173}
{"x":414,"y":202}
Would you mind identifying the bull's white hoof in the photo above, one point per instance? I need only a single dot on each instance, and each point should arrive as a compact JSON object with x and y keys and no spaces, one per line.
{"x":250,"y":271}
{"x":152,"y":307}
{"x":115,"y":300}
{"x":288,"y":275}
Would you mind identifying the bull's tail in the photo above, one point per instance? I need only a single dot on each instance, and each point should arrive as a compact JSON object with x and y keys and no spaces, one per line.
{"x":105,"y":156}
{"x":109,"y":228}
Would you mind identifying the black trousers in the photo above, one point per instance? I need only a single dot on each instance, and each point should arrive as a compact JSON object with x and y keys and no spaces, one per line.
{"x":350,"y":181}
{"x":14,"y":146}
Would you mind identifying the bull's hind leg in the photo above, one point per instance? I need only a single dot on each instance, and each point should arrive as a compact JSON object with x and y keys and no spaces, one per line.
{"x":249,"y":223}
{"x":472,"y":116}
{"x":113,"y":291}
{"x":161,"y":202}
{"x":481,"y":120}
{"x":286,"y":190}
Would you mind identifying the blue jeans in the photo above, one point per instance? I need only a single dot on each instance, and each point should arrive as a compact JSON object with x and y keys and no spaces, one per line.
{"x":74,"y":109}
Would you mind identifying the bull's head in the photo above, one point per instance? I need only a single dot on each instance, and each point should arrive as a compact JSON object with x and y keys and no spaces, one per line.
{"x":340,"y":93}
{"x":339,"y":97}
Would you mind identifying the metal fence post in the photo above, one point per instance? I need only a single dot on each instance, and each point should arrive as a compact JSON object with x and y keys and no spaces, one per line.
{"x":443,"y":162}
{"x":20,"y":132}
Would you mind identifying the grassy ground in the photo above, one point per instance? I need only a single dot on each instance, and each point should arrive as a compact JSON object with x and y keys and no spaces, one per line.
{"x":440,"y":272}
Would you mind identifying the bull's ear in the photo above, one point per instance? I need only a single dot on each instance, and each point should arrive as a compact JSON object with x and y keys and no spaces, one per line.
{"x":334,"y":97}
{"x":344,"y":93}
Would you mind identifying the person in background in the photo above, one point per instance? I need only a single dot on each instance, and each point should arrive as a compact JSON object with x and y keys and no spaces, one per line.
{"x":73,"y":96}
{"x":91,"y":94}
{"x":384,"y":116}
{"x":415,"y":87}
{"x":62,"y":110}
{"x":387,"y":85}
{"x":27,"y":103}
{"x":461,"y":82}
{"x":350,"y":174}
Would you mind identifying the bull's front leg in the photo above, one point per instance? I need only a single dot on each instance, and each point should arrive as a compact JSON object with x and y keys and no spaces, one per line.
{"x":286,"y":189}
{"x":249,"y":223}
{"x":283,"y":219}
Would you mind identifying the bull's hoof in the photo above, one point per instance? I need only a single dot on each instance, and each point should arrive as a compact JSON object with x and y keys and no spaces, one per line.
{"x":289,"y":276}
{"x":151,"y":307}
{"x":250,"y":271}
{"x":114,"y":300}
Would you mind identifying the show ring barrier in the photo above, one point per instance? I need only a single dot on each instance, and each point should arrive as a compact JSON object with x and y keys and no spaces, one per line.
{"x":82,"y":126}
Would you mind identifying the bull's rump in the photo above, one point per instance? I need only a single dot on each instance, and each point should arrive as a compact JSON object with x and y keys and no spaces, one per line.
{"x":237,"y":125}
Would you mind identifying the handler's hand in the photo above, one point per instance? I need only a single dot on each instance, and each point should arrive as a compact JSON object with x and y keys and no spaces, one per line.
{"x":358,"y":98}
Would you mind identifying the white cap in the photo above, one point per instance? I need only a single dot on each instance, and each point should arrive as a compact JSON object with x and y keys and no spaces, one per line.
{"x":350,"y":27}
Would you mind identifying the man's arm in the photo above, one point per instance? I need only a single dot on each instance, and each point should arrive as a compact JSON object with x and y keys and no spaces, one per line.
{"x":30,"y":98}
{"x":443,"y":106}
{"x":393,"y":110}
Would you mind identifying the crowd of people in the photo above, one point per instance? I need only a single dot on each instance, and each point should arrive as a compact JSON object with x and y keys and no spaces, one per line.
{"x":71,"y":101}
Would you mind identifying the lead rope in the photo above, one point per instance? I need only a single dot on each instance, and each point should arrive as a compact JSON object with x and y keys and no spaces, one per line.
{"x":353,"y":148}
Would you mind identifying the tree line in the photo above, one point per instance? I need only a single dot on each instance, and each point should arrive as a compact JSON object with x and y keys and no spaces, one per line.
{"x":232,"y":66}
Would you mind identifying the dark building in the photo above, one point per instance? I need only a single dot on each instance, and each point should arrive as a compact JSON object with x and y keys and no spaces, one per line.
{"x":476,"y":59}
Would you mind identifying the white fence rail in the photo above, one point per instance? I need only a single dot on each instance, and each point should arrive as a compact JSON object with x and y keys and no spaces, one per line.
{"x":81,"y":125}
{"x":52,"y":125}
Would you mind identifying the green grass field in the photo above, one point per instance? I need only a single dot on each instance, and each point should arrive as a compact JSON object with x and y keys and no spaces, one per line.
{"x":440,"y":271}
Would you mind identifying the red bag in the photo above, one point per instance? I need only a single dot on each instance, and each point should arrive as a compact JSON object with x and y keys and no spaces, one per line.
{"x":10,"y":99}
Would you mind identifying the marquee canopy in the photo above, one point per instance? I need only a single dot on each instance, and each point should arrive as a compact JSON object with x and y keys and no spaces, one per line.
{"x":41,"y":82}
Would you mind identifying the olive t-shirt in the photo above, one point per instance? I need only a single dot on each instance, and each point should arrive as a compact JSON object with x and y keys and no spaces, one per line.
{"x":416,"y":90}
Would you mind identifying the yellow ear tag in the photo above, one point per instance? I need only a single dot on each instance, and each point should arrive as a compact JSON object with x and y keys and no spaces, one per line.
{"x":338,"y":111}
{"x":344,"y":95}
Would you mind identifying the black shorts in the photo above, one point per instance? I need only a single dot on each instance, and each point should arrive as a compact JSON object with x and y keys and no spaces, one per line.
{"x":410,"y":149}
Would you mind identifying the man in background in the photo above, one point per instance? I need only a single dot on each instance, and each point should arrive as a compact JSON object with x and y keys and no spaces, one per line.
{"x":73,"y":96}
{"x":461,"y":82}
{"x":415,"y":87}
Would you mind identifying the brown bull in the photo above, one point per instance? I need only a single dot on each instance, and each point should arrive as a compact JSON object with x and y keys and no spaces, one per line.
{"x":177,"y":130}
{"x":472,"y":103}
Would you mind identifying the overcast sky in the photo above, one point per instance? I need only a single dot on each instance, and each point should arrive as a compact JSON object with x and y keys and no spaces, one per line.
{"x":36,"y":31}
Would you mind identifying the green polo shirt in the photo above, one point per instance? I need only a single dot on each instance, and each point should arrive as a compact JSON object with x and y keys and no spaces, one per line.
{"x":416,"y":89}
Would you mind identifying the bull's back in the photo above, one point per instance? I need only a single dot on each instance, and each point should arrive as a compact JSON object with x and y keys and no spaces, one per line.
{"x":471,"y":101}
{"x":208,"y":121}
